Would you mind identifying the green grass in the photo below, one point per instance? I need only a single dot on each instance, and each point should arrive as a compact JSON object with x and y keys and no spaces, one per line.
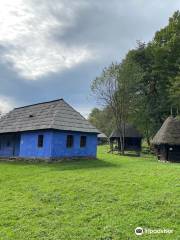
{"x":100,"y":199}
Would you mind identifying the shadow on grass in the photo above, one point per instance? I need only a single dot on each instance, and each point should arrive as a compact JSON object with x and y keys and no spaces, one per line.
{"x":127,"y":154}
{"x":81,"y":164}
{"x":65,"y":164}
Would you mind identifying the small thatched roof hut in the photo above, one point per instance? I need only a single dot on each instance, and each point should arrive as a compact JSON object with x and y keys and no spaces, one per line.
{"x":132,"y":138}
{"x":166,"y":142}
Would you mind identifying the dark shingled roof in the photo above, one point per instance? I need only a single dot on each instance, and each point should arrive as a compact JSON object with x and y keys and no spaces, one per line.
{"x":55,"y":114}
{"x":130,"y":131}
{"x":169,"y":133}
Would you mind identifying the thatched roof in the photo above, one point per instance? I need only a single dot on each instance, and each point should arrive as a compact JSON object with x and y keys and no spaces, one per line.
{"x":55,"y":114}
{"x":130,"y":131}
{"x":102,"y":135}
{"x":169,"y":133}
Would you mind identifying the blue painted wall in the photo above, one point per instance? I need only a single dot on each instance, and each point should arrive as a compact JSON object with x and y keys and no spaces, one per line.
{"x":17,"y":140}
{"x":59,"y":145}
{"x":29,"y":144}
{"x":25,"y":144}
{"x":9,"y":144}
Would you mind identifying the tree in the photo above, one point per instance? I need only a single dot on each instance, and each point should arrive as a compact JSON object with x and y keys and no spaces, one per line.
{"x":175,"y":94}
{"x":107,"y":89}
{"x":167,"y":56}
{"x":114,"y":89}
{"x":102,"y":119}
{"x":137,"y":61}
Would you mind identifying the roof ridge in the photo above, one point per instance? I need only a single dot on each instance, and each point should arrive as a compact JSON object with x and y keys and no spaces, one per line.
{"x":56,"y":100}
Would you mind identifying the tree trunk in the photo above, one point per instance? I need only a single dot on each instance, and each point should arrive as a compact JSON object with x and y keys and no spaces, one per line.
{"x":121,"y":137}
{"x":111,"y":146}
{"x":148,"y":141}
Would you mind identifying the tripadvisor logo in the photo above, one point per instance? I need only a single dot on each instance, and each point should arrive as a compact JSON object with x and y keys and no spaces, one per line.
{"x":139,"y":231}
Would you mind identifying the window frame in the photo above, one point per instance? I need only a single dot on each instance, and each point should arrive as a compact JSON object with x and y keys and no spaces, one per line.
{"x":83,"y":141}
{"x":40,"y":142}
{"x":69,"y":141}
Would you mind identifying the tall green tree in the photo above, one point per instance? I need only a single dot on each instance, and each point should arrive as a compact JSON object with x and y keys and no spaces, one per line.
{"x":158,"y":87}
{"x":106,"y":87}
{"x":168,"y":39}
{"x":115,"y":88}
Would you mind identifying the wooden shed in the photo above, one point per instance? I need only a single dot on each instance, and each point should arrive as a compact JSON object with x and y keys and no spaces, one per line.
{"x":132,"y":140}
{"x":166,"y":142}
{"x":102,"y":138}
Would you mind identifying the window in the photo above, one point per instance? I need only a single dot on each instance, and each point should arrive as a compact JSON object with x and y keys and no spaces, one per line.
{"x":83,"y":141}
{"x":69,"y":142}
{"x":40,"y":140}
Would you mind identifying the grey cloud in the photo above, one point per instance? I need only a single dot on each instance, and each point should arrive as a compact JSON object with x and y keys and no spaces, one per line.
{"x":108,"y":28}
{"x":112,"y":27}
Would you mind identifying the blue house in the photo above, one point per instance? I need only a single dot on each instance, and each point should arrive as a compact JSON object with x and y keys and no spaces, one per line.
{"x":48,"y":130}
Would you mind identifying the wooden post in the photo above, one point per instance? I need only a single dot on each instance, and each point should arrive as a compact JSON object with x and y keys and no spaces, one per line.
{"x":171,"y":111}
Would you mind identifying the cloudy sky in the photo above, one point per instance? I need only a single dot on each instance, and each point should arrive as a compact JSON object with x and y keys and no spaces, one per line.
{"x":54,"y":49}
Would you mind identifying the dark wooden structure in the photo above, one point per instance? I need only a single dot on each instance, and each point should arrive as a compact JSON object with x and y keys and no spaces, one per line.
{"x":132,"y":140}
{"x":166,"y":143}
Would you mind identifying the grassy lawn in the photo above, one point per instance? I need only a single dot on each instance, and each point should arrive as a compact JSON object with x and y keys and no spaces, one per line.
{"x":100,"y":199}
